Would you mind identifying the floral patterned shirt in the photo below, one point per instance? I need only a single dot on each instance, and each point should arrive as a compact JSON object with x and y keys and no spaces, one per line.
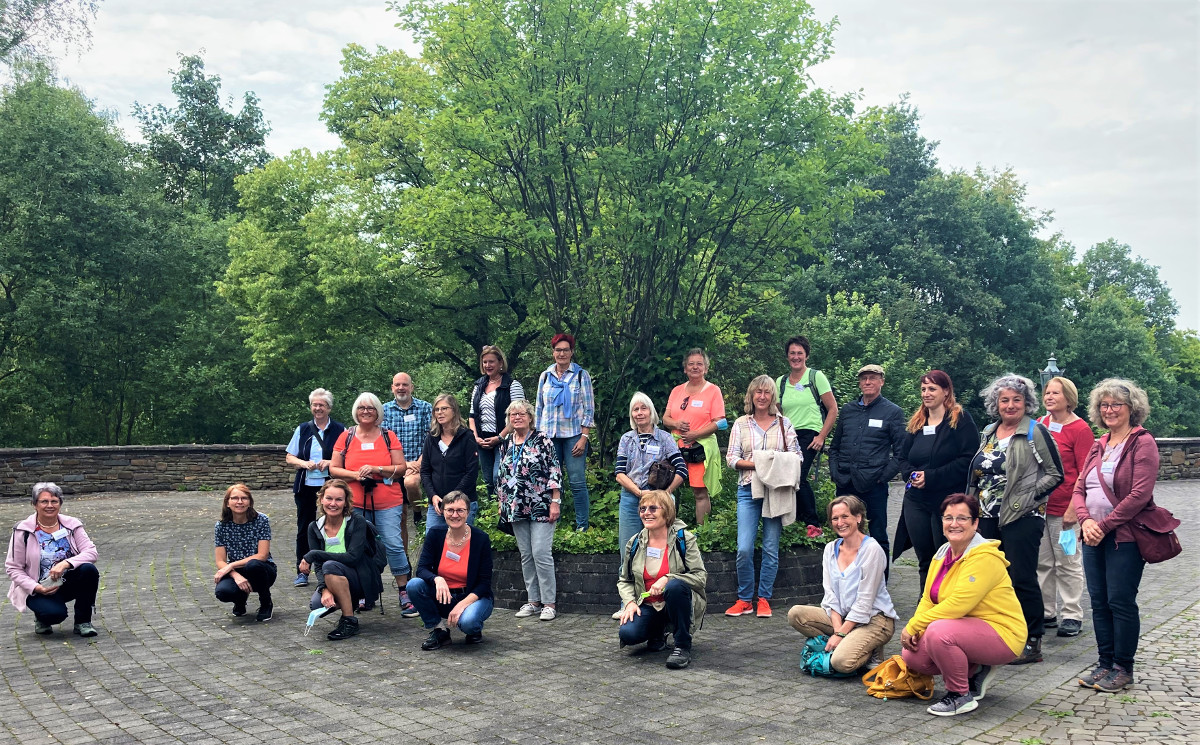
{"x":527,"y":476}
{"x":990,"y":474}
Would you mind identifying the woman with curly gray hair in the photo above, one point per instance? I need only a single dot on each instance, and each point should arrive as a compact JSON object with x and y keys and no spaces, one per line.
{"x":1115,"y":484}
{"x":1012,"y":474}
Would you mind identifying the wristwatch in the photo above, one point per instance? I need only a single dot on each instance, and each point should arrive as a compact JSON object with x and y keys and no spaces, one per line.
{"x":840,"y":633}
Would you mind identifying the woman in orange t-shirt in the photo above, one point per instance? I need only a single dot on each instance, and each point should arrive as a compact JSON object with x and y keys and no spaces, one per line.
{"x":694,"y":411}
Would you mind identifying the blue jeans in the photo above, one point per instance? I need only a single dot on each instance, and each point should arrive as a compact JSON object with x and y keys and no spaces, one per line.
{"x":749,"y":514}
{"x":434,"y":520}
{"x":424,"y":596}
{"x":79,"y":584}
{"x":652,"y":624}
{"x":628,"y":522}
{"x":1114,"y":571}
{"x":575,"y":469}
{"x":388,"y":523}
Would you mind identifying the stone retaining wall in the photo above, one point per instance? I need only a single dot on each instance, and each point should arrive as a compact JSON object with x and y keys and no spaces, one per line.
{"x":587,"y":583}
{"x":1179,"y":458}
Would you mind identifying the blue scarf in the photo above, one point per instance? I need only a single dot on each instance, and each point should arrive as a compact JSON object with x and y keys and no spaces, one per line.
{"x":561,"y":397}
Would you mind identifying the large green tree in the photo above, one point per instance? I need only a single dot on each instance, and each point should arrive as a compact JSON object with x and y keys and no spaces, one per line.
{"x":26,"y":25}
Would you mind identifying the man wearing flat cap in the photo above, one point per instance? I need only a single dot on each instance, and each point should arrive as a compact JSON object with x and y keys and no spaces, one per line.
{"x":865,"y":453}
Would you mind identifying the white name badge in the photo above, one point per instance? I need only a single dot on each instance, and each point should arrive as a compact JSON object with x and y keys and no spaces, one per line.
{"x":334,"y":541}
{"x":453,"y":556}
{"x":653,"y":553}
{"x":410,"y":417}
{"x":697,"y":404}
{"x":1107,"y":467}
{"x":874,"y":422}
{"x":1055,"y":427}
{"x":59,"y":534}
{"x":653,"y":449}
{"x":929,"y":429}
{"x":366,"y":445}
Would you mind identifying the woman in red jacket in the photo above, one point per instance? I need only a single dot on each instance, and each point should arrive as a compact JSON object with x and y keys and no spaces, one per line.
{"x":1115,"y":484}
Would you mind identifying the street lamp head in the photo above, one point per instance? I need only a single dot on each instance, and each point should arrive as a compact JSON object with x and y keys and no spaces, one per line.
{"x":1050,"y":372}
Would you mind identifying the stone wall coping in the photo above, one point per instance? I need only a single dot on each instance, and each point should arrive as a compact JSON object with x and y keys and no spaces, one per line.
{"x":100,"y":449}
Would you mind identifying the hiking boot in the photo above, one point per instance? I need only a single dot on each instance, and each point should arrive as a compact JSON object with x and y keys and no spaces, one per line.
{"x":1070,"y":627}
{"x":656,"y":645}
{"x":346,"y":628}
{"x":763,"y":609}
{"x":953,"y":704}
{"x":1031,"y":653}
{"x":301,"y":580}
{"x":264,"y":613}
{"x":980,"y":680}
{"x":740,"y":608}
{"x":43,"y":629}
{"x":1117,"y":679}
{"x":1091,"y":679}
{"x":86,"y":630}
{"x":1050,"y":621}
{"x":679,"y":659}
{"x":438,"y":638}
{"x":527,"y":610}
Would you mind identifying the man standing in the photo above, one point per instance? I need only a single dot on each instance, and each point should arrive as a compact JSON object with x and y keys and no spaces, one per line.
{"x":865,"y":454}
{"x":309,"y":452}
{"x":410,"y":418}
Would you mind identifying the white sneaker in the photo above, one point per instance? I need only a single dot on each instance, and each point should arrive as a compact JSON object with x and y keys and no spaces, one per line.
{"x":548,"y":613}
{"x":527,"y":610}
{"x":617,"y":616}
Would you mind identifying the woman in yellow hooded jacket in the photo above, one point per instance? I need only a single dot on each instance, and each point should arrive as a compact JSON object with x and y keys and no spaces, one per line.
{"x":968,"y":622}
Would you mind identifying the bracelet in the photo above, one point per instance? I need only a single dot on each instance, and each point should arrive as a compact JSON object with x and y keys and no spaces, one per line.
{"x":840,"y":633}
{"x":585,"y":434}
{"x":555,"y":501}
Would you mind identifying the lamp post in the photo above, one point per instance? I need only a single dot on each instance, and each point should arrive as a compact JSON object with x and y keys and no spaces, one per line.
{"x":1051,"y":371}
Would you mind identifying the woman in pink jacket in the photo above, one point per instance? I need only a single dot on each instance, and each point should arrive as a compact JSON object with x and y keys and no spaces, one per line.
{"x":51,"y":562}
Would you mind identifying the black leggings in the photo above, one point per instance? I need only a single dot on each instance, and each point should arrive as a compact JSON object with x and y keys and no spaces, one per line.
{"x":260,"y":574}
{"x":1021,"y":540}
{"x":79,"y":584}
{"x":924,"y":526}
{"x":806,"y":501}
{"x":306,"y":512}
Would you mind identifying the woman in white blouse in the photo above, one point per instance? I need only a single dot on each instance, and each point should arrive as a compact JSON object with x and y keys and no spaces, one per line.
{"x":856,"y":612}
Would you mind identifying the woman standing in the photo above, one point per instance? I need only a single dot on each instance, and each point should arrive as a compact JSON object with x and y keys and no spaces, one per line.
{"x":936,"y":455}
{"x":341,"y":554}
{"x":806,"y":399}
{"x":1012,"y":474}
{"x":762,"y":428}
{"x":242,"y":540}
{"x":1116,"y":483}
{"x":450,"y":461}
{"x":695,"y":410}
{"x":1060,"y":573}
{"x":371,"y":460}
{"x":640,"y":447}
{"x":310,"y":452}
{"x":489,"y":400}
{"x":566,"y":413}
{"x":51,"y":562}
{"x":529,"y":490}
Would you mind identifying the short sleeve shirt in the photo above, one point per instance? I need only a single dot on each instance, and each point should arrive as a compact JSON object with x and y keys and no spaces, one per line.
{"x":315,"y":453}
{"x":797,"y":402}
{"x":53,"y":550}
{"x":240,"y":541}
{"x":697,"y":410}
{"x":410,"y":425}
{"x":387,"y":493}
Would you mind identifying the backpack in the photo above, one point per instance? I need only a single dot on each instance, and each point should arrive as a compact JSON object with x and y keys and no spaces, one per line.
{"x":815,"y":661}
{"x":810,"y":383}
{"x":681,"y":544}
{"x":892,"y":679}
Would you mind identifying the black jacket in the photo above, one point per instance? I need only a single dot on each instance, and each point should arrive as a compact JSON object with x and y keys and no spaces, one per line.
{"x":479,"y":563}
{"x":455,"y":470}
{"x":947,"y":463}
{"x":359,"y":556}
{"x":862,"y":455}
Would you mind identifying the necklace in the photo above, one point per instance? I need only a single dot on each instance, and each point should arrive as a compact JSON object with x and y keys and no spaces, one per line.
{"x":1110,"y":448}
{"x":47,"y":527}
{"x":457,"y":543}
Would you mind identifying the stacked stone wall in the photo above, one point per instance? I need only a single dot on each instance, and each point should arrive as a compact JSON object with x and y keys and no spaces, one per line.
{"x":1179,"y":458}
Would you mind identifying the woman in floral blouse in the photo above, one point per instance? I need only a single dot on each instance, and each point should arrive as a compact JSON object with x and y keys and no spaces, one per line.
{"x":528,"y":484}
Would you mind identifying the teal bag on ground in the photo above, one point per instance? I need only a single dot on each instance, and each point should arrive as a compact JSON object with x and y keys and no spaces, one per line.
{"x":815,"y":661}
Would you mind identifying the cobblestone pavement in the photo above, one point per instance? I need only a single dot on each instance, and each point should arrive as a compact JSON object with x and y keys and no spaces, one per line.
{"x":172,"y":666}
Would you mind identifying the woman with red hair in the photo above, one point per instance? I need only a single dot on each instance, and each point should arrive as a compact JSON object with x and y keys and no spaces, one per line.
{"x":566,"y":413}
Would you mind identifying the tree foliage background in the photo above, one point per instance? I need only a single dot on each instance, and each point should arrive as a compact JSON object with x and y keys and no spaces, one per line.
{"x":647,"y":176}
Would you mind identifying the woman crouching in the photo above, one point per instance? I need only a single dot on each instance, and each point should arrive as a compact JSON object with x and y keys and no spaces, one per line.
{"x":662,"y":582}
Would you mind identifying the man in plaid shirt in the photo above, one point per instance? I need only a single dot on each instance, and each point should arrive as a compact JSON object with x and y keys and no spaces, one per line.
{"x":409,"y":418}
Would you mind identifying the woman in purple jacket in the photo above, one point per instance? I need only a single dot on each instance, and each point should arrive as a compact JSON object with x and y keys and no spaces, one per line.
{"x":51,"y":562}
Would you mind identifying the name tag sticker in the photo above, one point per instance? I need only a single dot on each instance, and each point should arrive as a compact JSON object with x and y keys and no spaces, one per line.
{"x":59,"y":534}
{"x":1107,"y":467}
{"x":652,"y":449}
{"x":1055,"y":427}
{"x":366,"y":445}
{"x":929,"y":429}
{"x":697,"y":404}
{"x":334,"y":541}
{"x":453,"y":556}
{"x":874,"y":422}
{"x":410,"y":417}
{"x":653,"y":553}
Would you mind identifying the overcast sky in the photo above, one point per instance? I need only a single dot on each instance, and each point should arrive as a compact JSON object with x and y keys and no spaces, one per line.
{"x":1093,"y":104}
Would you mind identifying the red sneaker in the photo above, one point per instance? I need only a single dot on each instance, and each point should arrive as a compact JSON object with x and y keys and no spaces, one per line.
{"x":814,"y":531}
{"x":740,"y":608}
{"x":764,"y":608}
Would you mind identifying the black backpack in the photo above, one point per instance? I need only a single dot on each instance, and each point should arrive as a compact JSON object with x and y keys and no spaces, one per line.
{"x":810,"y":383}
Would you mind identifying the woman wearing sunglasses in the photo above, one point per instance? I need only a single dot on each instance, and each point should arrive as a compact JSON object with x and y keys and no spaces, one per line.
{"x":662,"y":582}
{"x":694,"y":411}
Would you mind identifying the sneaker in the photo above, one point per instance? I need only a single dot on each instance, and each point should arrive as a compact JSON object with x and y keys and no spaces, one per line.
{"x":763,"y":610}
{"x":346,"y":628}
{"x":814,"y":531}
{"x":1050,"y":621}
{"x":44,"y":629}
{"x":1031,"y":653}
{"x":527,"y":610}
{"x":476,"y":638}
{"x":980,"y":680}
{"x":581,"y":528}
{"x":239,"y":609}
{"x":740,"y":608}
{"x":438,"y":638}
{"x":407,"y":609}
{"x":301,"y":580}
{"x":953,"y":704}
{"x":264,"y":613}
{"x":1117,"y":679}
{"x":617,"y":615}
{"x":1091,"y":679}
{"x":548,"y":613}
{"x":876,"y":659}
{"x":86,"y":630}
{"x":1070,"y":627}
{"x":679,"y":659}
{"x":656,"y":645}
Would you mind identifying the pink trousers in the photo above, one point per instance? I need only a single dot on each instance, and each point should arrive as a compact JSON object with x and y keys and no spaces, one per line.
{"x":950,"y":646}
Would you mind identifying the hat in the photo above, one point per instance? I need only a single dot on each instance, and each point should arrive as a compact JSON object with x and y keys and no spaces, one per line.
{"x":871,"y":369}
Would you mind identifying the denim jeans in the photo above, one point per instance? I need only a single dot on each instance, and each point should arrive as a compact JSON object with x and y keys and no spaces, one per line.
{"x":388,"y":523}
{"x":924,"y":525}
{"x":424,"y":596}
{"x":260,"y":574}
{"x":79,"y":584}
{"x":628,"y":522}
{"x":534,"y":540}
{"x":749,"y":515}
{"x":652,"y":624}
{"x":575,"y":469}
{"x":434,"y":520}
{"x":1114,"y":571}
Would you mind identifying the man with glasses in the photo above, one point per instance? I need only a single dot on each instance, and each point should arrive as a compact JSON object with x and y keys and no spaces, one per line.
{"x":309,"y":453}
{"x":409,"y":418}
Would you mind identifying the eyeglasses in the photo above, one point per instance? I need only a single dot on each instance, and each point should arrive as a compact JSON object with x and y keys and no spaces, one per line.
{"x":561,"y":350}
{"x":1112,"y":406}
{"x":455,"y":511}
{"x":365,"y":408}
{"x":951,"y":519}
{"x":647,"y":509}
{"x":683,"y":405}
{"x":441,"y":408}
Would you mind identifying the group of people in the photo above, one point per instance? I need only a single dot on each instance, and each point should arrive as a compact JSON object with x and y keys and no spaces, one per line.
{"x":992,"y":517}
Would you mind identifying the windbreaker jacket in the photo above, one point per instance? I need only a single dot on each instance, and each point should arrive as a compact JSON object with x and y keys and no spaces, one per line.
{"x":977,"y":586}
{"x":632,"y":582}
{"x":862,"y":456}
{"x":23,"y":562}
{"x":1029,"y":481}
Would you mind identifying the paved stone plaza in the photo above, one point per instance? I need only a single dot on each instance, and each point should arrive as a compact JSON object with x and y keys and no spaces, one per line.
{"x":172,"y":666}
